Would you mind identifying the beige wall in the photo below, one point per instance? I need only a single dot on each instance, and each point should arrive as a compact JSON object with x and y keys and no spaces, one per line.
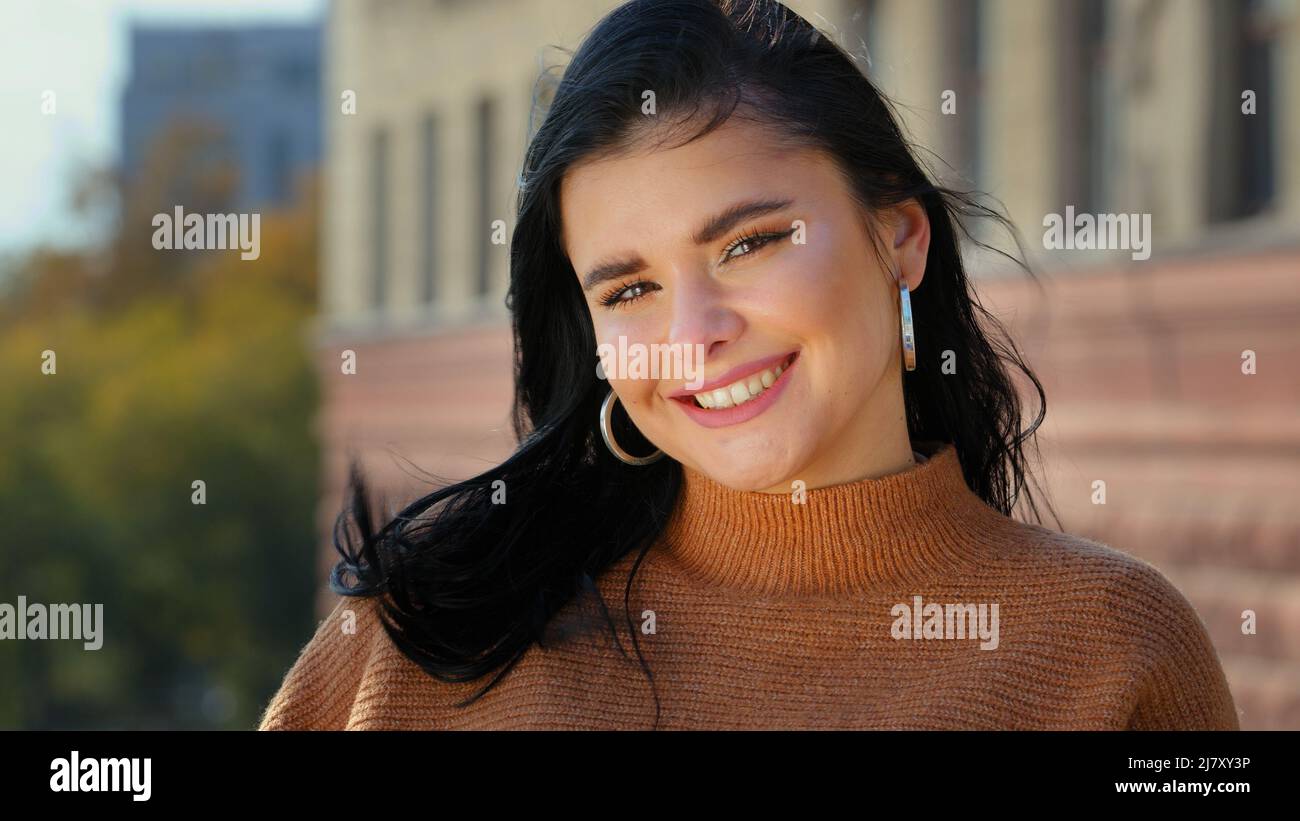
{"x":405,"y":59}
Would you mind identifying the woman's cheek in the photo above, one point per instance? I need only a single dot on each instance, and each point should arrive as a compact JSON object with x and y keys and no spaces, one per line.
{"x":613,"y":334}
{"x":632,"y":393}
{"x":619,"y":338}
{"x":802,"y":298}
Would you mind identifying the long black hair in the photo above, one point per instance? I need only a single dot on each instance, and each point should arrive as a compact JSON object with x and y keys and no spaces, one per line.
{"x":473,"y":584}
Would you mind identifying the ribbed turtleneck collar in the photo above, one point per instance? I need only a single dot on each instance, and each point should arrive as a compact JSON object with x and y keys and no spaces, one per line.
{"x":850,"y":537}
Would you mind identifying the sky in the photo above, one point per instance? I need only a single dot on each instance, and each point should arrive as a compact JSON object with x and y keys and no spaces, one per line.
{"x":79,"y":50}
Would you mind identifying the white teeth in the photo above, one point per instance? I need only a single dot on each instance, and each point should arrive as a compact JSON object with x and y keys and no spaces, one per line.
{"x":741,"y":391}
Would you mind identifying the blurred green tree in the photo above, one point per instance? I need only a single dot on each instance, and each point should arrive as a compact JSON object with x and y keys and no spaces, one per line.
{"x":172,"y":367}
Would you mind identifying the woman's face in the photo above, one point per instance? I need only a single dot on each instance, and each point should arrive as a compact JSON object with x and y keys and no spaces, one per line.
{"x":804,"y":292}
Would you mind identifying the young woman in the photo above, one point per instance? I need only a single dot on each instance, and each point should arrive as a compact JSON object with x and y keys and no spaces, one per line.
{"x":810,"y":530}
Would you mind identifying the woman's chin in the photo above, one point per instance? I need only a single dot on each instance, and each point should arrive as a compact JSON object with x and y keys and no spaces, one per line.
{"x":742,"y":471}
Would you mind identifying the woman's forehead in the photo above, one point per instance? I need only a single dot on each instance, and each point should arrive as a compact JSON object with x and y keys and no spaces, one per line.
{"x":647,"y":190}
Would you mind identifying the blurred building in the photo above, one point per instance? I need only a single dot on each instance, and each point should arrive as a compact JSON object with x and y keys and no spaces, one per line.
{"x":259,"y":84}
{"x":1186,"y":111}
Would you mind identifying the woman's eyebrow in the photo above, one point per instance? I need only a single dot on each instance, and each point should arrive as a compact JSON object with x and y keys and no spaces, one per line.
{"x":712,"y":228}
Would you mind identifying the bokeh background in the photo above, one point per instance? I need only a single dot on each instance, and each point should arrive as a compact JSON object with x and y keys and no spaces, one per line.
{"x":381,"y":141}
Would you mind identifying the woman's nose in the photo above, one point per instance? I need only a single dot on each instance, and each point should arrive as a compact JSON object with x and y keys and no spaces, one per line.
{"x":702,"y":315}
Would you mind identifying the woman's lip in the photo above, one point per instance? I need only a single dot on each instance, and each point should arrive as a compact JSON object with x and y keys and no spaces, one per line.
{"x":735,"y":374}
{"x":743,"y":412}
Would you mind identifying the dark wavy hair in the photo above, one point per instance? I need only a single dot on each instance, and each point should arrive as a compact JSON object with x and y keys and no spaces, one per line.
{"x":473,"y":585}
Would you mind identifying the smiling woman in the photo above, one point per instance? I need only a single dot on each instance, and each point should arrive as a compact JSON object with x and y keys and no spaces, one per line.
{"x":827,"y":301}
{"x":816,"y":484}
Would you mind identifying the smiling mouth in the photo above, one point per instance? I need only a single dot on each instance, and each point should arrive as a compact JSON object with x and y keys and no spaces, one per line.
{"x":741,"y":391}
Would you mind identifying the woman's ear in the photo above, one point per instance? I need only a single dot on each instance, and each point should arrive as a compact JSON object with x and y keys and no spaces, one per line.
{"x":911,"y":242}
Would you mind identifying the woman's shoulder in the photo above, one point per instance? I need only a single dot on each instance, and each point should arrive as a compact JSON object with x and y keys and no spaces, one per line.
{"x":325,"y":681}
{"x":1090,"y":566}
{"x":1145,"y":622}
{"x":1082,"y":570}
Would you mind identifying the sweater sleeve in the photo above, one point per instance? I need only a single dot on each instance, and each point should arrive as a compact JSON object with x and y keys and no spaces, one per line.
{"x":320,"y":688}
{"x":1181,"y":683}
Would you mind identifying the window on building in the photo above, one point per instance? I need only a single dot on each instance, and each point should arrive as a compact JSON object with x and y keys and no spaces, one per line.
{"x":1084,"y":109}
{"x":296,"y":75}
{"x":962,"y":42}
{"x":861,"y":36}
{"x":279,"y":169}
{"x":485,"y":133}
{"x":429,"y":208}
{"x":1242,"y":157}
{"x":379,"y":217}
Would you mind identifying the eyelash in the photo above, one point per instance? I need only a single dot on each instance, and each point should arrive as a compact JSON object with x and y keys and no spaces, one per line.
{"x":611,"y":299}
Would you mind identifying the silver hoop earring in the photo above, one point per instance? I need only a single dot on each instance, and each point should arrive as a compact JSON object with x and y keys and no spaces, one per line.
{"x":607,"y":433}
{"x":909,"y":332}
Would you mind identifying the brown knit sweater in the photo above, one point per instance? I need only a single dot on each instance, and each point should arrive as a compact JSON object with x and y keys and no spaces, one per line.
{"x":754,"y":611}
